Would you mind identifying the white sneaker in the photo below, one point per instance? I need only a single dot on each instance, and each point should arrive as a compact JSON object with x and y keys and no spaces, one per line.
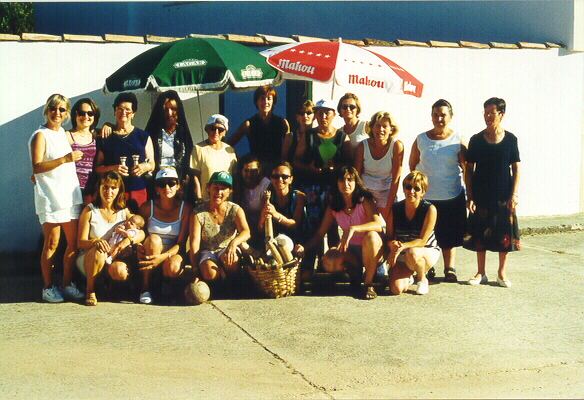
{"x":145,"y":298}
{"x":52,"y":295}
{"x":503,"y":282}
{"x":423,"y":288}
{"x":72,"y":293}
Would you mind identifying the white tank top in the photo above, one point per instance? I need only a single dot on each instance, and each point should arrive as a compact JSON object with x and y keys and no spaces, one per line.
{"x":439,"y":161}
{"x":57,"y":189}
{"x":168,"y":231}
{"x":358,"y":135}
{"x":98,"y":226}
{"x":377,"y":173}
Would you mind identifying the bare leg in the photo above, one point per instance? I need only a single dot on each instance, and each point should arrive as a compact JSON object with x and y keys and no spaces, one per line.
{"x":481,"y":262}
{"x":449,"y":256}
{"x":399,"y":279}
{"x":417,"y":261}
{"x":503,"y":265}
{"x":70,"y":229}
{"x":51,"y":233}
{"x":94,"y":262}
{"x":372,"y":253}
{"x":119,"y":271}
{"x":210,"y":271}
{"x":152,"y":246}
{"x":172,"y":268}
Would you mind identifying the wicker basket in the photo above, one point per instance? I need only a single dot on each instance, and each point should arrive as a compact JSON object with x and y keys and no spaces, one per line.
{"x":277,"y":281}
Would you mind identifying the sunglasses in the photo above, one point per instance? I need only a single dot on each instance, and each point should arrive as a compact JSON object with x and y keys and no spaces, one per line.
{"x":301,"y":113}
{"x":60,"y":109}
{"x":348,"y":107}
{"x":84,"y":113}
{"x":409,"y":187}
{"x":215,"y":128}
{"x":162,"y":183}
{"x":280,"y":176}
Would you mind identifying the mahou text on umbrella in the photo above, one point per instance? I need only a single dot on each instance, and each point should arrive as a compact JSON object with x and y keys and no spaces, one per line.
{"x":295,"y":66}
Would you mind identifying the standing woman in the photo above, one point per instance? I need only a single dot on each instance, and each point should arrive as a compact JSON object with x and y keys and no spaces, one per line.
{"x":349,"y":109}
{"x":353,"y":208}
{"x":118,"y":150}
{"x":171,"y":137}
{"x":298,"y":140}
{"x":439,"y":153}
{"x":57,"y":196}
{"x":379,"y":161}
{"x":167,"y":225}
{"x":265,"y":130}
{"x":492,"y":181}
{"x":85,"y":117}
{"x":97,"y":222}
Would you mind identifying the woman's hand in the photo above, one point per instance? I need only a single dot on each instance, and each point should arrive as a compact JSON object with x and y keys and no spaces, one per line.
{"x":231,"y":254}
{"x":512,"y":202}
{"x":298,"y":250}
{"x":121,"y":169}
{"x":140,"y":169}
{"x":102,"y":245}
{"x":269,"y":209}
{"x":471,"y":206}
{"x":105,"y":131}
{"x":345,"y":240}
{"x":150,"y":262}
{"x":75,"y":155}
{"x":395,"y":248}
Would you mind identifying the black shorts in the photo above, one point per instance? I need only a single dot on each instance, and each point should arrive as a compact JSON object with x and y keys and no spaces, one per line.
{"x":450,"y":221}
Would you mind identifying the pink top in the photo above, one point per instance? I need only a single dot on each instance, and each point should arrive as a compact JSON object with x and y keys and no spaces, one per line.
{"x":85,"y":165}
{"x":357,"y":217}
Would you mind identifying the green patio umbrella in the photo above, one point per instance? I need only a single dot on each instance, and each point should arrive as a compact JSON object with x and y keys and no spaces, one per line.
{"x":194,"y":65}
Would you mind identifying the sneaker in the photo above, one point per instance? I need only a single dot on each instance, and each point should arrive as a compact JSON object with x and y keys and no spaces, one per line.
{"x":52,"y":295}
{"x":145,"y":298}
{"x":423,"y":288}
{"x":478,"y":280}
{"x":503,"y":282}
{"x":71,"y":292}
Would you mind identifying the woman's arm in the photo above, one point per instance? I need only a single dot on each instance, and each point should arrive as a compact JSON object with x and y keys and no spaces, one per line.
{"x":38,"y":147}
{"x":513,"y":200}
{"x":425,"y":232}
{"x":414,"y":156}
{"x":195,"y":239}
{"x":296,"y":219}
{"x":100,"y":168}
{"x":242,"y":131}
{"x":396,"y":171}
{"x":468,"y":182}
{"x":374,"y":224}
{"x":243,"y":234}
{"x":359,"y":158}
{"x":287,"y":142}
{"x":148,"y":165}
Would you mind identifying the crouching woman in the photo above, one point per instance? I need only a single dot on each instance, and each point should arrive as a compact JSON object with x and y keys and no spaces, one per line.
{"x":412,"y":244}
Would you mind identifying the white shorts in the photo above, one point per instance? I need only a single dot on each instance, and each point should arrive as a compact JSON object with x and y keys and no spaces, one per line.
{"x":61,"y":216}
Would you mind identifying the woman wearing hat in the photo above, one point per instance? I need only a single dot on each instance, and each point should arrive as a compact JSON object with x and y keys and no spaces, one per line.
{"x":217,"y":228}
{"x":127,"y":151}
{"x":212,"y":155}
{"x":265,"y":130}
{"x":167,"y":224}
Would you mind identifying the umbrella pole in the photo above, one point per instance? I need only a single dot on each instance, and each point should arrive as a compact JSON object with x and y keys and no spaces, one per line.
{"x":200,"y":114}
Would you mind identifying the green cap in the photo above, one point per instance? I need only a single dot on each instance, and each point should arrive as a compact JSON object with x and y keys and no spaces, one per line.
{"x":221,"y":177}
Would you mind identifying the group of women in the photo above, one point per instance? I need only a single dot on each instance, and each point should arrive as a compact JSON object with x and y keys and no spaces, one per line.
{"x":309,"y":182}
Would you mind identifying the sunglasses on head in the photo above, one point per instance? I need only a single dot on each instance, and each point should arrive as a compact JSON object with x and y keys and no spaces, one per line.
{"x":280,"y":176}
{"x":161,"y":183}
{"x":84,"y":113}
{"x":409,"y":187}
{"x":348,"y":107}
{"x":60,"y":109}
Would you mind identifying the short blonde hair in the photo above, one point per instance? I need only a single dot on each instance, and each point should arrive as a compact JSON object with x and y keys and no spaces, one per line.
{"x":53,"y":101}
{"x":417,"y":177}
{"x":378,"y":117}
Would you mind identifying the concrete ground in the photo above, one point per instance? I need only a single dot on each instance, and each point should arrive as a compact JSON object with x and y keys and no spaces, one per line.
{"x":456,"y":342}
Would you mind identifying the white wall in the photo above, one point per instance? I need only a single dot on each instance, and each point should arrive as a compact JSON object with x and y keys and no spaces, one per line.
{"x":29,"y":73}
{"x":543,"y":91}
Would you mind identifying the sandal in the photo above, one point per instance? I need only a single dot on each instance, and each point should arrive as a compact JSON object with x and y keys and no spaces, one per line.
{"x":450,"y":275}
{"x":370,"y":293}
{"x":431,"y":274}
{"x":91,"y":299}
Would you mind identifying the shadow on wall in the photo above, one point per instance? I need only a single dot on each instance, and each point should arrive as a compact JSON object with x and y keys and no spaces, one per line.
{"x":20,"y":230}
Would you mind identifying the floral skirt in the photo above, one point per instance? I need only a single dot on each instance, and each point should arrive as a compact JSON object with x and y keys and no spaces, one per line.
{"x":492,"y":229}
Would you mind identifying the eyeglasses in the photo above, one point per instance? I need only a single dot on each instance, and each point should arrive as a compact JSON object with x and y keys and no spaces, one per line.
{"x":251,"y":170}
{"x":409,"y":187}
{"x":60,"y":109}
{"x":84,"y":113}
{"x":162,"y":183}
{"x":302,"y":113}
{"x":125,"y":110}
{"x":284,"y":177}
{"x":348,"y":107}
{"x":215,"y":128}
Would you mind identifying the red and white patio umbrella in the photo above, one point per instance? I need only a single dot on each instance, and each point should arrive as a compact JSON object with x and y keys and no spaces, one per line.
{"x":343,"y":64}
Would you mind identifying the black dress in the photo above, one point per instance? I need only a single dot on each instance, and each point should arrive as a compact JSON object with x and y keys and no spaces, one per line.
{"x":492,"y":226}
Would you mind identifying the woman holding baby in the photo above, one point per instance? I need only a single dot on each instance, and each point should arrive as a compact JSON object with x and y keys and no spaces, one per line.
{"x":97,"y":231}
